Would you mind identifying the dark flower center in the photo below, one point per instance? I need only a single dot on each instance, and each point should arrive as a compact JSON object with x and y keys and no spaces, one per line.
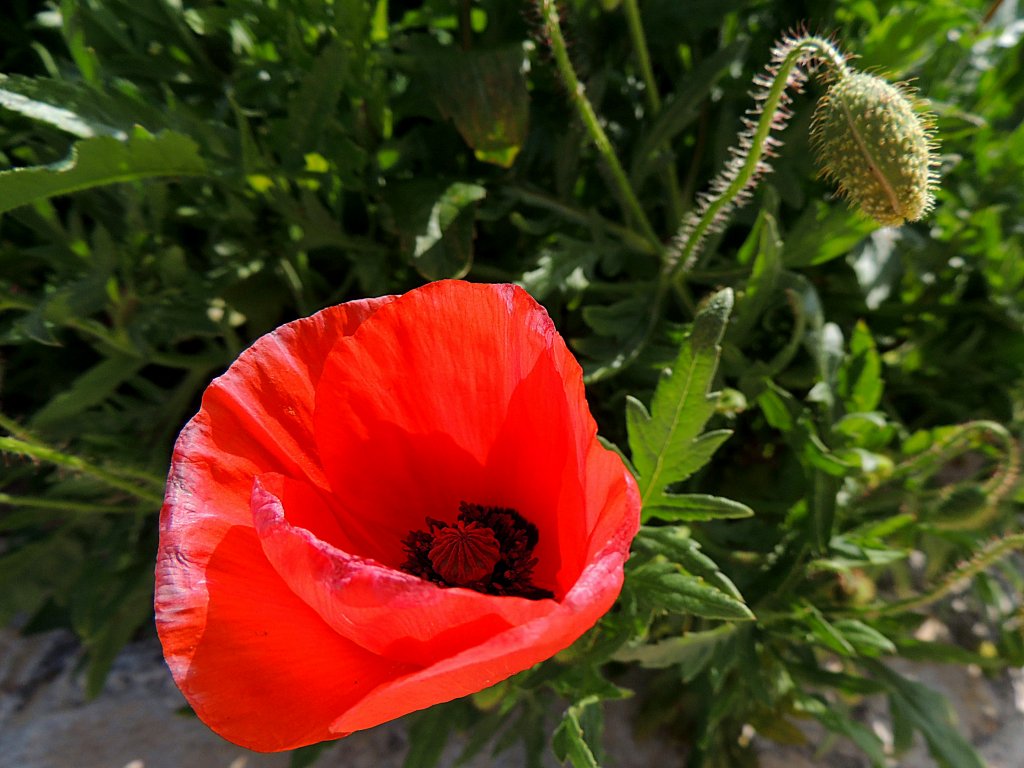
{"x":489,"y":549}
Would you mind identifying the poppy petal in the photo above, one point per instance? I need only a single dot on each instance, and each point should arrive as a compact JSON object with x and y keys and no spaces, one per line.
{"x":510,"y":652}
{"x":256,"y":417}
{"x":384,"y":610}
{"x":267,"y":672}
{"x":280,"y":606}
{"x":457,"y":392}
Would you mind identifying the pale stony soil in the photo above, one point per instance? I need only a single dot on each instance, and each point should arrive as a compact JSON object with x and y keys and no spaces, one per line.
{"x":45,"y":721}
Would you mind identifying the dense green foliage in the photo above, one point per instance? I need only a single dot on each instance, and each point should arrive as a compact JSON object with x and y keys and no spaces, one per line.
{"x":834,"y":449}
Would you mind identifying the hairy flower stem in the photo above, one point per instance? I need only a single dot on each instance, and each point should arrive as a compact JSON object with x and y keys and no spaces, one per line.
{"x":735,"y":181}
{"x":985,"y":558}
{"x":577,"y":94}
{"x":639,"y":40}
{"x":39,"y":452}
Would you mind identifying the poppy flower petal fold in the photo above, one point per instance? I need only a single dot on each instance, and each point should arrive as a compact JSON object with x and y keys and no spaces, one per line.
{"x":255,"y":418}
{"x":388,"y":612}
{"x":387,"y":505}
{"x":505,"y":655}
{"x":266,"y":671}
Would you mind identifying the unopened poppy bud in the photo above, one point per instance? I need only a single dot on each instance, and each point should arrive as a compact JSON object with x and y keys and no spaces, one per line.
{"x":877,"y":146}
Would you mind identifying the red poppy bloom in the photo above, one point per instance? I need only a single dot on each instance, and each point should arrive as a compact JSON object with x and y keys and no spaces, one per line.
{"x":390,"y":504}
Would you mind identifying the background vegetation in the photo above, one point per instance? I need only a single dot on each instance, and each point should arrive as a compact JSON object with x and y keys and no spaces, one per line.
{"x":184,"y":176}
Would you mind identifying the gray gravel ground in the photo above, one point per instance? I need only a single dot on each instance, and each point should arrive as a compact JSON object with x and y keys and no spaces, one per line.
{"x":46,"y":722}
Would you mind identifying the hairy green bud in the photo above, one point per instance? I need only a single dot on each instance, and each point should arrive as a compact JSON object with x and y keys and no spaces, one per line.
{"x":875,"y":143}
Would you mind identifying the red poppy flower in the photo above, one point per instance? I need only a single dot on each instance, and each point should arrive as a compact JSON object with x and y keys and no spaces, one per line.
{"x":390,"y":504}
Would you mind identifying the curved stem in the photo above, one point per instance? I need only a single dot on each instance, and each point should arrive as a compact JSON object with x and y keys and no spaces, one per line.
{"x":639,"y":40}
{"x":52,"y":456}
{"x":577,"y":94}
{"x":747,"y":164}
{"x":988,"y":556}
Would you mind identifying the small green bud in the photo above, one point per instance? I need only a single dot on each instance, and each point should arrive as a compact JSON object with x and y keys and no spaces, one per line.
{"x":872,"y":140}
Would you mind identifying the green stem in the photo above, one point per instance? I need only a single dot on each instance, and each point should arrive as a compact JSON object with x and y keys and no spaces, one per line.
{"x":577,"y":94}
{"x":987,"y":557}
{"x":745,"y":166}
{"x":639,"y":40}
{"x":18,"y":432}
{"x":52,"y":456}
{"x":101,"y":334}
{"x":586,"y":218}
{"x":60,"y":505}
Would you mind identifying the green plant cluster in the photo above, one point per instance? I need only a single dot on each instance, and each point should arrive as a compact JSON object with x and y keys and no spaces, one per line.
{"x":823,"y":416}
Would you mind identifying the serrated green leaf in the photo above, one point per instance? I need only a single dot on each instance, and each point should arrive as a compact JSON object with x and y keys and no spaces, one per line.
{"x":103,"y":160}
{"x":675,"y":544}
{"x":569,"y":740}
{"x":664,"y":442}
{"x":660,"y":586}
{"x":695,"y":507}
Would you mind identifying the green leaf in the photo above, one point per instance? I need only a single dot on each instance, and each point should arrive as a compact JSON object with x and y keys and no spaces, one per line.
{"x":823,"y":631}
{"x":691,"y":651}
{"x":919,"y":707}
{"x":89,"y":389}
{"x":867,"y":640}
{"x":484,"y":93}
{"x":429,"y":733}
{"x":58,"y":117}
{"x":682,"y":107}
{"x":664,"y":443}
{"x":756,"y":298}
{"x":675,"y":544}
{"x":316,"y":99}
{"x":835,"y":719}
{"x":435,"y":221}
{"x":102,"y":160}
{"x":569,"y":740}
{"x":859,"y":381}
{"x":661,"y":586}
{"x":35,"y":572}
{"x":695,"y":507}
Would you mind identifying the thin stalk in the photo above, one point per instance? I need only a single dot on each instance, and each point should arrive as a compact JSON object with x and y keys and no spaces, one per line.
{"x":59,"y":505}
{"x":102,"y":334}
{"x":988,"y":556}
{"x":52,"y":456}
{"x":18,"y":432}
{"x":585,"y":218}
{"x":747,"y":163}
{"x":734,"y":182}
{"x":639,"y":40}
{"x":578,"y":97}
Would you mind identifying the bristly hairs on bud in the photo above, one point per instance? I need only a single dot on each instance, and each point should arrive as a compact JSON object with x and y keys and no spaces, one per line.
{"x":876,"y":141}
{"x":794,"y":58}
